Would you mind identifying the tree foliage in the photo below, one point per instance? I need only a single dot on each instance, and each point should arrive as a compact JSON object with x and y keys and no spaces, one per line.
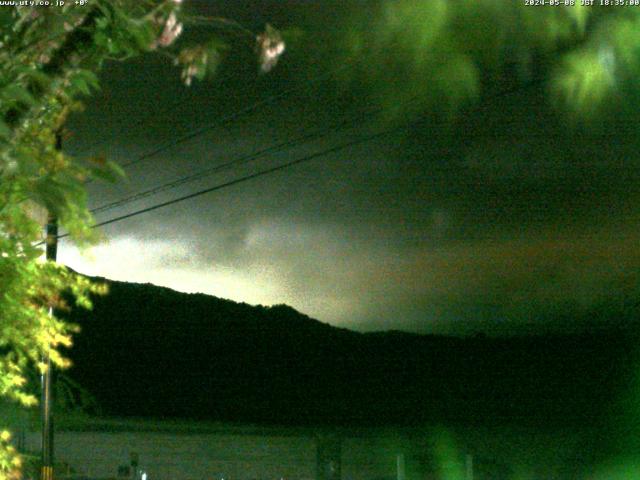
{"x":411,"y":55}
{"x":50,"y":57}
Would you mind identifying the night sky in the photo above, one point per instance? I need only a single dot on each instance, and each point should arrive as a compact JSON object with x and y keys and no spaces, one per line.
{"x":501,"y":218}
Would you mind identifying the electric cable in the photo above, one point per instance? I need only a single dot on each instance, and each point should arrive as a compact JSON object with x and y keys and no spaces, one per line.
{"x":231,"y":117}
{"x":300,"y":140}
{"x":250,"y":157}
{"x":245,"y":178}
{"x":278,"y":167}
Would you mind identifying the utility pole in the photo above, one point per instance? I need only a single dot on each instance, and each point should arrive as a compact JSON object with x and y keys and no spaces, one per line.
{"x":47,"y":400}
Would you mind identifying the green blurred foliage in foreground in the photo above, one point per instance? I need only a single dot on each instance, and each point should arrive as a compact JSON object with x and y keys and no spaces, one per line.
{"x":50,"y":58}
{"x":413,"y":56}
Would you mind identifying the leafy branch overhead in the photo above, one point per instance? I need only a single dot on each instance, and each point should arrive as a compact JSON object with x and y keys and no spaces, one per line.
{"x":50,"y":58}
{"x":411,"y":56}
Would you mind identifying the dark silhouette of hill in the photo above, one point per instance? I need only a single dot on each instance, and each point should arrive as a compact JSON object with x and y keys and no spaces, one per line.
{"x":149,"y":351}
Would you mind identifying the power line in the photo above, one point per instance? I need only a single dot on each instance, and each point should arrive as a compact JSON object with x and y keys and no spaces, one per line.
{"x":245,"y":178}
{"x":282,"y":166}
{"x":225,"y":119}
{"x":235,"y":115}
{"x":228,"y":118}
{"x":255,"y":155}
{"x":238,"y":161}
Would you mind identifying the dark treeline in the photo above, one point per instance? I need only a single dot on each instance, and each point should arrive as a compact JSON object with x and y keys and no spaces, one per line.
{"x":152,"y":352}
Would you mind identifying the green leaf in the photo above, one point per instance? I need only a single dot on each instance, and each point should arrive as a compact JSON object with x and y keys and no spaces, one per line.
{"x":5,"y":131}
{"x":90,"y":77}
{"x":84,"y":81}
{"x":14,"y":93}
{"x":143,"y":35}
{"x":80,"y":85}
{"x":101,"y":39}
{"x":116,"y":169}
{"x":6,"y":19}
{"x":110,"y":172}
{"x":580,"y":15}
{"x":38,"y":77}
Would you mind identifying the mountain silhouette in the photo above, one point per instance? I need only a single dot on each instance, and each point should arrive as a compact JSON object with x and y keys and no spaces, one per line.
{"x":148,"y":351}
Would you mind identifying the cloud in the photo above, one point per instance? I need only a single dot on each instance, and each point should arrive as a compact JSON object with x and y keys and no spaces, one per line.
{"x":512,"y":283}
{"x":501,"y":218}
{"x":166,"y":263}
{"x":347,"y":278}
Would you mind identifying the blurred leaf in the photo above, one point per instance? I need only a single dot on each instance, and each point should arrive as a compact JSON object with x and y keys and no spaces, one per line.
{"x":584,"y":80}
{"x":5,"y":131}
{"x":6,"y":19}
{"x":142,"y":33}
{"x":623,"y":469}
{"x":110,"y":172}
{"x":580,"y":14}
{"x":14,"y":93}
{"x":116,"y":169}
{"x":625,"y":35}
{"x":84,"y":81}
{"x":449,"y":464}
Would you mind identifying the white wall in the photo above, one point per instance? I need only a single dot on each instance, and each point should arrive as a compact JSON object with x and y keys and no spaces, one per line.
{"x":192,"y":454}
{"x":187,"y":456}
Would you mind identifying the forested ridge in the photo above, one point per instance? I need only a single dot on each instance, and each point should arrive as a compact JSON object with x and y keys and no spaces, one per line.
{"x":153,"y":352}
